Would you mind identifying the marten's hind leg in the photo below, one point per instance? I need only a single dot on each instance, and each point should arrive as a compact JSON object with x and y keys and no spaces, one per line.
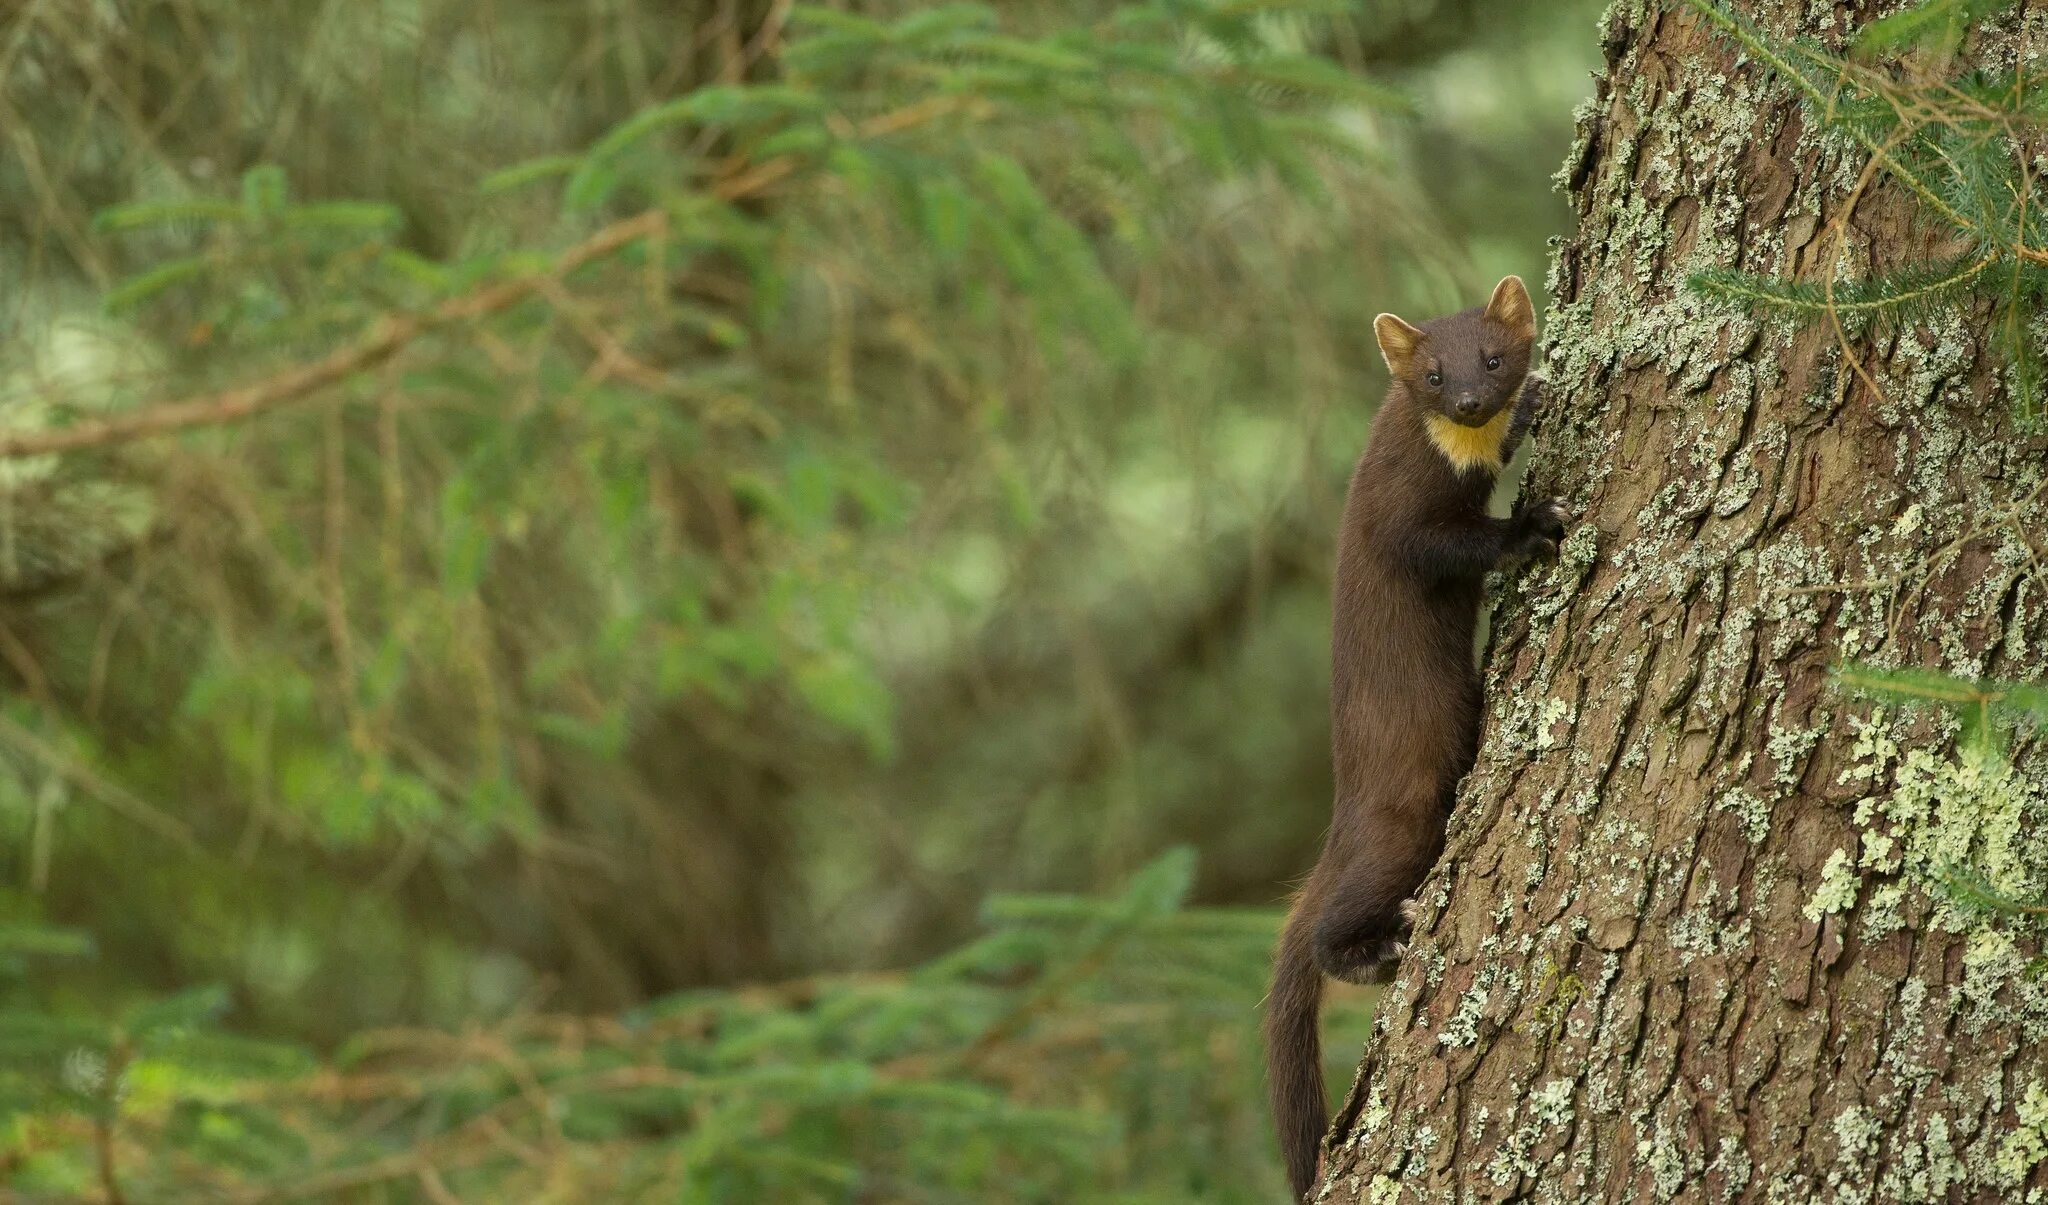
{"x":1366,"y":906}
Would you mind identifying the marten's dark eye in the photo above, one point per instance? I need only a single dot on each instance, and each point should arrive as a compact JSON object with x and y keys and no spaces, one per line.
{"x":1436,"y":380}
{"x":1493,"y":363}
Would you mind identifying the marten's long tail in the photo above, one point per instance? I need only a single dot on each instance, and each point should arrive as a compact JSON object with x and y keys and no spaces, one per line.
{"x":1294,"y":1050}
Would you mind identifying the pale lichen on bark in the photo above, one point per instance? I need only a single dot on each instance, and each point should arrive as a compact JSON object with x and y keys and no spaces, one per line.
{"x":1685,"y":943}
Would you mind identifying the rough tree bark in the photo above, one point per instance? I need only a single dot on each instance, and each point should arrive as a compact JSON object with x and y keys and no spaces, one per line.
{"x":1685,"y":944}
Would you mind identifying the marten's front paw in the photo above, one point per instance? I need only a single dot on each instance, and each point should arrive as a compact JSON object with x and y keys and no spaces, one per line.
{"x":1539,"y":528}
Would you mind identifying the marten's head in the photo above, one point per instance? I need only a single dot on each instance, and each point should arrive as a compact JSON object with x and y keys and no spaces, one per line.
{"x":1467,"y":367}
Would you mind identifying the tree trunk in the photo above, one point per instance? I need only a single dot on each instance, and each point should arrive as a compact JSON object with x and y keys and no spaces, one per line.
{"x":1686,"y":942}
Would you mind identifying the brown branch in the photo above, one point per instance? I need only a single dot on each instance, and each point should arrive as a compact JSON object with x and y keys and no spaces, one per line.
{"x":394,"y":332}
{"x":466,"y":1144}
{"x":391,"y":334}
{"x":114,"y":796}
{"x":103,"y":1123}
{"x":103,"y":1147}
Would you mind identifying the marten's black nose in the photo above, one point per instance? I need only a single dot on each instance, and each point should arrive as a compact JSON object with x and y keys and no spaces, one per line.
{"x":1466,"y":406}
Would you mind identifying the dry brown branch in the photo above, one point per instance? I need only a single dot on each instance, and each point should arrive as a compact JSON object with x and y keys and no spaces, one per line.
{"x":390,"y":335}
{"x":467,"y":1144}
{"x":114,"y":796}
{"x":393,"y":333}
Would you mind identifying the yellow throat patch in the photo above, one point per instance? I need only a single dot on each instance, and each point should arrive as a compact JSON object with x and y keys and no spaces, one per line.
{"x":1470,"y":447}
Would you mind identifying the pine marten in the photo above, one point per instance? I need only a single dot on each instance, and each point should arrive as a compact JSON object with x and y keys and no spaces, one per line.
{"x":1404,"y":690}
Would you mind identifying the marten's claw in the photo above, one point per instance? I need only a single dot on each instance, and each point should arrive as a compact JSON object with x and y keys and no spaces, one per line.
{"x":1410,"y":909}
{"x":1548,"y":518}
{"x":1541,"y":527}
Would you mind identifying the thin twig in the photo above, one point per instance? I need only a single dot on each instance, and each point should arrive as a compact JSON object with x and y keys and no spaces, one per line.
{"x":391,"y":335}
{"x":103,"y":1123}
{"x":119,"y":799}
{"x":395,"y":332}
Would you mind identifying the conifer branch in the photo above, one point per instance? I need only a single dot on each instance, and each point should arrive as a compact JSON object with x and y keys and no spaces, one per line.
{"x":390,"y":335}
{"x":393,"y":333}
{"x":1752,"y":40}
{"x":1882,"y":295}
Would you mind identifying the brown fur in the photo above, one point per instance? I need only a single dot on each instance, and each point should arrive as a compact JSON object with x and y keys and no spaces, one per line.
{"x":1404,"y":692}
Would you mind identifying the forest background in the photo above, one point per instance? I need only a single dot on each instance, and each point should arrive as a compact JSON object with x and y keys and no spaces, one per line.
{"x":719,"y":600}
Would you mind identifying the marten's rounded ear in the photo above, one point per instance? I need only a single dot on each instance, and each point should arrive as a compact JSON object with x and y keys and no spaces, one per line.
{"x":1511,"y":308}
{"x":1398,"y":342}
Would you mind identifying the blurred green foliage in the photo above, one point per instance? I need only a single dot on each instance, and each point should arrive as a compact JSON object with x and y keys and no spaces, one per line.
{"x":730,"y":486}
{"x":1082,"y":1051}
